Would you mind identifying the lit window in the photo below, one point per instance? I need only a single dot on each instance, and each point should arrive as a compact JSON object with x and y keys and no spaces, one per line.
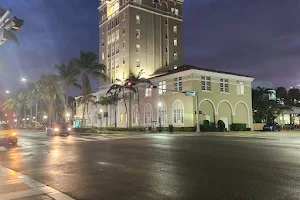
{"x":117,"y":49}
{"x":112,"y":51}
{"x":138,"y":33}
{"x":240,"y":88}
{"x":102,"y":56}
{"x":117,"y":63}
{"x":121,"y":117}
{"x":175,"y":56}
{"x":117,"y":35}
{"x":138,"y":48}
{"x":205,"y":83}
{"x":108,"y":39}
{"x":148,"y":114}
{"x":138,"y":63}
{"x":175,"y":29}
{"x":138,"y":19}
{"x":124,"y":16}
{"x":175,"y":41}
{"x":224,"y":85}
{"x":148,"y":92}
{"x":112,"y":65}
{"x":135,"y":95}
{"x":172,"y":10}
{"x":176,"y":11}
{"x":162,"y":114}
{"x":124,"y":30}
{"x":162,"y":86}
{"x":124,"y":46}
{"x":135,"y":115}
{"x":178,"y":111}
{"x":123,"y":60}
{"x":178,"y":84}
{"x":113,"y":37}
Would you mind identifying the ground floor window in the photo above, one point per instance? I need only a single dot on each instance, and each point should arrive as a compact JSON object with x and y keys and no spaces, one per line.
{"x":162,"y":113}
{"x":148,"y":114}
{"x":135,"y":115}
{"x":178,"y":111}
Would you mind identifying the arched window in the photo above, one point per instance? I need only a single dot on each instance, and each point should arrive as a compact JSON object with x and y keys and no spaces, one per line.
{"x":148,"y":114}
{"x":162,"y":113}
{"x":135,"y":115}
{"x":96,"y":118}
{"x":90,"y":118}
{"x":178,"y":111}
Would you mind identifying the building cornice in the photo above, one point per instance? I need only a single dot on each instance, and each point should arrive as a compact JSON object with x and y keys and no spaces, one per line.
{"x":202,"y":73}
{"x":143,"y":9}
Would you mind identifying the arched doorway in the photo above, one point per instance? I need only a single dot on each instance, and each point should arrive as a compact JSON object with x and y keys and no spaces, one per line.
{"x":208,"y":109}
{"x":225,"y":111}
{"x":241,"y":111}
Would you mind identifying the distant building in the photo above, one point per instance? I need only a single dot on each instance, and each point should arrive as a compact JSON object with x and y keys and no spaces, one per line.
{"x":140,"y":34}
{"x":147,"y":34}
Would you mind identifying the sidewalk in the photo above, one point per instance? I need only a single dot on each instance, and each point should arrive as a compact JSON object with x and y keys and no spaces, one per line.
{"x":16,"y":186}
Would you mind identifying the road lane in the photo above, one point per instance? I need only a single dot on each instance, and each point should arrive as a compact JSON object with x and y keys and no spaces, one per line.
{"x":163,"y":166}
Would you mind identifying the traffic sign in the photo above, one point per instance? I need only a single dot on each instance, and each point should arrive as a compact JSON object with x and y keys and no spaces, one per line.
{"x":190,"y":93}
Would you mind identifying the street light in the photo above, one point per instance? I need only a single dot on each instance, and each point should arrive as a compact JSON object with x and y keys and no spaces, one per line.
{"x":45,"y":117}
{"x":7,"y":91}
{"x":23,"y":79}
{"x":68,"y":115}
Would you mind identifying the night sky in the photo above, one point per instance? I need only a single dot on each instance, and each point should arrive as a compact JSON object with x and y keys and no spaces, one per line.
{"x":260,"y":38}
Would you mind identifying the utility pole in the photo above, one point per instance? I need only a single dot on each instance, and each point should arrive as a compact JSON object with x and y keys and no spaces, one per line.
{"x":197,"y":114}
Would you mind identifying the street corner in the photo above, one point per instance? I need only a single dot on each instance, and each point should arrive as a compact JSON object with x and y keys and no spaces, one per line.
{"x":16,"y":186}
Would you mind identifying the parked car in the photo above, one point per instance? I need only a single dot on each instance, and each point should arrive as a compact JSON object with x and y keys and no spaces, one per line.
{"x":59,"y":129}
{"x":272,"y":127}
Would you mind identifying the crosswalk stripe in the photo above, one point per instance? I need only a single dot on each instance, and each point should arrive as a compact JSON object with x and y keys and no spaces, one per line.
{"x":3,"y":149}
{"x":35,"y":187}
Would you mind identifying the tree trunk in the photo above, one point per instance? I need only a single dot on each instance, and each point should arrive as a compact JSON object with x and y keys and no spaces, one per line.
{"x":87,"y":111}
{"x":25,"y":118}
{"x":31,"y":113}
{"x":67,"y":98}
{"x":83,"y":111}
{"x":126,"y":109}
{"x":115,"y":116}
{"x":36,"y":114}
{"x":139,"y":117}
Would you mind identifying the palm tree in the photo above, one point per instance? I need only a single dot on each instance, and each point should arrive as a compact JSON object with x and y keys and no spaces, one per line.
{"x":112,"y":99}
{"x":135,"y":81}
{"x":68,"y":75}
{"x":87,"y":65}
{"x":48,"y":87}
{"x":119,"y":89}
{"x":85,"y":101}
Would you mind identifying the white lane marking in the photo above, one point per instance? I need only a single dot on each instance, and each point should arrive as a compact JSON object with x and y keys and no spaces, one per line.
{"x":37,"y":188}
{"x":2,"y":148}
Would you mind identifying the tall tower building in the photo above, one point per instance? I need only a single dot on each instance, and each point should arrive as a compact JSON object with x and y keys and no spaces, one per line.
{"x":140,"y":34}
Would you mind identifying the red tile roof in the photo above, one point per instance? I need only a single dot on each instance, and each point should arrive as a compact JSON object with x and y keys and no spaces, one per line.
{"x":167,"y":70}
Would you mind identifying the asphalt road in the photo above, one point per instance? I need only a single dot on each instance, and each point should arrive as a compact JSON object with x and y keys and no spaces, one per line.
{"x":162,"y":166}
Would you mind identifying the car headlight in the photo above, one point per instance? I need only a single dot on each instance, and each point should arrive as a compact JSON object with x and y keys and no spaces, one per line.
{"x":69,"y":129}
{"x":13,"y":134}
{"x":56,"y":129}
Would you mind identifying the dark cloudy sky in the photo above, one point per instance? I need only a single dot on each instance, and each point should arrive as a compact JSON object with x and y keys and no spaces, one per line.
{"x":254,"y":37}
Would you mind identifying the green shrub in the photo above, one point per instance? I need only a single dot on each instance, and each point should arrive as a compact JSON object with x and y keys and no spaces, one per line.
{"x":208,"y":128}
{"x":205,"y":122}
{"x":221,"y":126}
{"x":247,"y":129}
{"x":238,"y":127}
